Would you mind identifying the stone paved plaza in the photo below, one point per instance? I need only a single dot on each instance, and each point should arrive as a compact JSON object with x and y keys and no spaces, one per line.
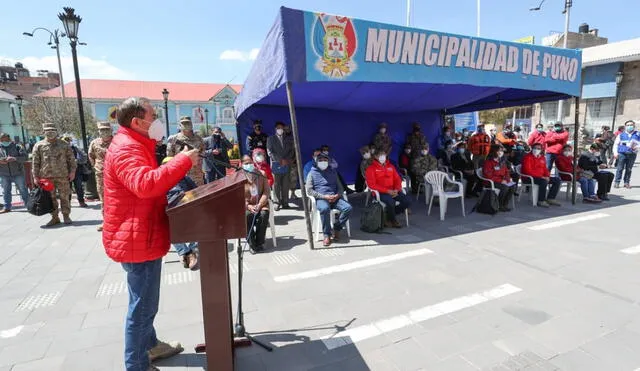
{"x":534,"y":289}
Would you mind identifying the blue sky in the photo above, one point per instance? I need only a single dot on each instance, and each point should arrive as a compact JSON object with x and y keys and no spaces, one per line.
{"x":215,"y":41}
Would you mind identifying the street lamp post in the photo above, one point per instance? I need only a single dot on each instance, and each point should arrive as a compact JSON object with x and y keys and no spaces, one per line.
{"x":54,"y":38}
{"x":619,"y":78}
{"x":19,"y":99}
{"x":165,"y":95}
{"x":71,"y":22}
{"x":206,"y":121}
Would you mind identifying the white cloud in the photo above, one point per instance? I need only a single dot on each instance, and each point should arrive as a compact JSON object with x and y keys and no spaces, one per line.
{"x":239,"y":55}
{"x":89,"y":68}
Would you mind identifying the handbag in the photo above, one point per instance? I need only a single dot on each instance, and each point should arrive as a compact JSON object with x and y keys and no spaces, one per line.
{"x":40,"y":202}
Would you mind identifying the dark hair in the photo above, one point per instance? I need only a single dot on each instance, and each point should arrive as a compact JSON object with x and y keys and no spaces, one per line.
{"x":316,"y":150}
{"x":493,"y":150}
{"x":566,"y":146}
{"x":2,"y":135}
{"x":130,"y":108}
{"x":621,"y":127}
{"x":595,"y":146}
{"x":280,"y":123}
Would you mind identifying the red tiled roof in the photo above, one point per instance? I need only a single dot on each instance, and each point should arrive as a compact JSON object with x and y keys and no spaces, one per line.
{"x":122,"y":89}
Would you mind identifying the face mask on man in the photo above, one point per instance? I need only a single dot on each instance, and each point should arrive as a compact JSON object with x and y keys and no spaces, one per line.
{"x":536,"y":151}
{"x":538,"y":128}
{"x":323,"y":165}
{"x":216,"y":135}
{"x":461,"y":151}
{"x":480,"y":130}
{"x":156,"y":131}
{"x":596,"y":153}
{"x":187,"y":127}
{"x":248,"y":167}
{"x":366,"y":155}
{"x":325,"y":152}
{"x":519,"y":148}
{"x":260,"y":158}
{"x":557,"y":129}
{"x":382,"y":159}
{"x":279,"y":131}
{"x":5,"y":144}
{"x":51,"y":134}
{"x":630,"y":128}
{"x":500,"y":154}
{"x":566,"y":153}
{"x":383,"y":130}
{"x":425,"y":152}
{"x":105,"y":134}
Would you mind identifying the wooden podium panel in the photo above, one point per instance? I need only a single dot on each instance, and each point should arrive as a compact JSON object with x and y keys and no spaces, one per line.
{"x":211,"y":214}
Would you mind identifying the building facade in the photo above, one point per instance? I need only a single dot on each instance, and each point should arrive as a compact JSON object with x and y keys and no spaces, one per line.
{"x":10,"y":116}
{"x":208,"y":105}
{"x":17,"y":80}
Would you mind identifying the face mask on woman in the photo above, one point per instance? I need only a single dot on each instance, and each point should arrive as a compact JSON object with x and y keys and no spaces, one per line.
{"x":323,"y":165}
{"x":382,"y":159}
{"x":366,"y":155}
{"x":567,"y":153}
{"x":536,"y":151}
{"x":259,"y":158}
{"x":248,"y":167}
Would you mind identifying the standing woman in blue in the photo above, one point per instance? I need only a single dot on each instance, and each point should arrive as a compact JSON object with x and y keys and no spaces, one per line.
{"x":625,"y":150}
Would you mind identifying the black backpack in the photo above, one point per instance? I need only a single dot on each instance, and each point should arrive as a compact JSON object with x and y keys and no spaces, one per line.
{"x":39,"y":202}
{"x":372,"y":218}
{"x":488,"y":203}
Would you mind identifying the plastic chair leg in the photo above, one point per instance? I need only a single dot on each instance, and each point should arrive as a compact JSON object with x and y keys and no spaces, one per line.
{"x":318,"y":225}
{"x":406,"y":216}
{"x":462,"y":201}
{"x":348,"y":229}
{"x":419,"y":188}
{"x":534,"y":195}
{"x":430,"y":204}
{"x":443,"y":207}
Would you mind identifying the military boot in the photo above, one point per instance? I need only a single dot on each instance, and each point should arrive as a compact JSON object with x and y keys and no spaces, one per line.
{"x":66,"y":219}
{"x":55,"y":220}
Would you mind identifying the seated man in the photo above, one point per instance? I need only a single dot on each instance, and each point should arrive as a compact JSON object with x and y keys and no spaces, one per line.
{"x":564,"y":163}
{"x":256,"y":195}
{"x":309,"y":165}
{"x":334,"y":165}
{"x":444,"y":155}
{"x":382,"y":177}
{"x":593,"y":162}
{"x":461,"y":161}
{"x":534,"y":164}
{"x":322,"y":183}
{"x":423,"y":164}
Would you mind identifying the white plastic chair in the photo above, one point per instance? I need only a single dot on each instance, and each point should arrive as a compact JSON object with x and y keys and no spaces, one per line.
{"x":492,"y":185}
{"x":569,"y":184}
{"x":315,"y":215}
{"x":533,"y":188}
{"x":436,"y":179}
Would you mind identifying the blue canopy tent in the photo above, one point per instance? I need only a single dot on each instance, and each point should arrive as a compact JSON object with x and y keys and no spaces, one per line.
{"x":337,"y":78}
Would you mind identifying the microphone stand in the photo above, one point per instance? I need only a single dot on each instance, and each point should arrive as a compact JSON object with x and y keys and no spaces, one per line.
{"x":241,"y":338}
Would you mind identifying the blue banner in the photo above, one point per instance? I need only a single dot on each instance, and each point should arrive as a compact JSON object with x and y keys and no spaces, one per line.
{"x":467,"y":121}
{"x":348,"y":49}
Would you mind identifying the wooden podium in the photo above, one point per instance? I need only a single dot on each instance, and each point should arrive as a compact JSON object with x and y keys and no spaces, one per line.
{"x":211,"y":214}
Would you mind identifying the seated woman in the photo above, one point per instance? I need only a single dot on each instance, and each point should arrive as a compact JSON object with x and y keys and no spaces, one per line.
{"x":496,"y":170}
{"x":261,"y":164}
{"x":592,"y":161}
{"x":256,"y":196}
{"x":564,"y":163}
{"x":534,"y":165}
{"x":461,"y":161}
{"x":382,"y":177}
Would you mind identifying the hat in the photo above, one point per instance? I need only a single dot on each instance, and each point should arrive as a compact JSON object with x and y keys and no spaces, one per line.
{"x":104,"y":125}
{"x":166,"y":159}
{"x":383,"y":125}
{"x":322,"y":155}
{"x":3,"y":134}
{"x":185,"y":119}
{"x":49,"y":126}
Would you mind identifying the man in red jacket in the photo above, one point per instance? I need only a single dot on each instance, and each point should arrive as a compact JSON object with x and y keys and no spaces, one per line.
{"x":556,"y":139}
{"x":382,"y":176}
{"x":136,"y":227}
{"x":538,"y":136}
{"x":535,"y":165}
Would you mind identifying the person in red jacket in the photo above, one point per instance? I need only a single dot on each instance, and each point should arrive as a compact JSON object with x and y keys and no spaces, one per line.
{"x":555,"y":139}
{"x":564,"y":163}
{"x":535,"y":165}
{"x":259,"y":157}
{"x":538,"y":136}
{"x":136,"y":227}
{"x":382,"y":176}
{"x":495,"y":169}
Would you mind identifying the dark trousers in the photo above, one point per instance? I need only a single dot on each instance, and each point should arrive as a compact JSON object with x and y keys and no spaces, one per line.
{"x":257,"y":234}
{"x":542,"y":187}
{"x":217,"y":172}
{"x":506,"y":193}
{"x":473,"y":183}
{"x":625,"y":164}
{"x":392,"y":209}
{"x":281,"y":188}
{"x":604,"y":179}
{"x":77,"y":185}
{"x":360,"y":181}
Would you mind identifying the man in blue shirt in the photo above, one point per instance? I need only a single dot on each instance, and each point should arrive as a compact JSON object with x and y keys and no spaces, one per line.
{"x":310,"y":163}
{"x":625,"y":150}
{"x":322,"y":184}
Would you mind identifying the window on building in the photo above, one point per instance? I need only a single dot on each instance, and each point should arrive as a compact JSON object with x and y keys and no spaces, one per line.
{"x":599,"y":113}
{"x":227,"y":113}
{"x":549,"y":111}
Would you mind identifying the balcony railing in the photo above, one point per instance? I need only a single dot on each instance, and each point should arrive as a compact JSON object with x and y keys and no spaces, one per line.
{"x":226,"y":121}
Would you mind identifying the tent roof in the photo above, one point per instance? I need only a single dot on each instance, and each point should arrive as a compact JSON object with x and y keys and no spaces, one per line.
{"x":347,"y":64}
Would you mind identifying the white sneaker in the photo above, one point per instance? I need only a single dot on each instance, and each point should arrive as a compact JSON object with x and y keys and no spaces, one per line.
{"x":153,"y":368}
{"x":165,"y":350}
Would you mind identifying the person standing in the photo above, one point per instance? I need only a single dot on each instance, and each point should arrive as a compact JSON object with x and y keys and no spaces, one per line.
{"x":625,"y":151}
{"x":479,"y":145}
{"x":97,"y":151}
{"x":416,"y":140}
{"x":382,"y":140}
{"x":280,"y":150}
{"x":538,"y":136}
{"x":187,"y":137}
{"x":136,"y":226}
{"x":258,"y":138}
{"x":556,"y":140}
{"x":12,"y":159}
{"x":78,"y":180}
{"x":53,"y":160}
{"x":507,"y":138}
{"x":215,"y":151}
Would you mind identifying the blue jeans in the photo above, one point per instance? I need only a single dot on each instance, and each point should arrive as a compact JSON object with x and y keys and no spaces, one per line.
{"x":143,"y":283}
{"x":185,"y":248}
{"x":6,"y":189}
{"x":324,"y":207}
{"x":391,"y":202}
{"x":625,"y":163}
{"x":588,"y":186}
{"x":551,"y":159}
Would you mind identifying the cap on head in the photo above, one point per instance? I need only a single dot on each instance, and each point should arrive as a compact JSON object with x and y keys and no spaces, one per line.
{"x":5,"y":135}
{"x":322,"y":156}
{"x":104,"y":125}
{"x":48,"y":126}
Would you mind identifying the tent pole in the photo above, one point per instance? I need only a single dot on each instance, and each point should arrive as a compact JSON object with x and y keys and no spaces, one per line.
{"x":576,"y":129}
{"x":296,"y":142}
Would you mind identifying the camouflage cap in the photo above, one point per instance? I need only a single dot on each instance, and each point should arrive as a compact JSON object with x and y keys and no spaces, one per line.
{"x":185,"y":119}
{"x":104,"y":125}
{"x":49,"y":126}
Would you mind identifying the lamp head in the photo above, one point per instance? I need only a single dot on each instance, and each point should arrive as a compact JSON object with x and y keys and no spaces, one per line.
{"x":71,"y":22}
{"x":165,"y":94}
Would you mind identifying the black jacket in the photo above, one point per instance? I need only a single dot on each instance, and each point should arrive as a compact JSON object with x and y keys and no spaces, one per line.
{"x":15,"y":167}
{"x":588,"y":161}
{"x":461,"y":162}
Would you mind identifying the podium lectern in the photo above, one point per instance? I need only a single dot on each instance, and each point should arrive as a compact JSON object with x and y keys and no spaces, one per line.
{"x":211,"y":214}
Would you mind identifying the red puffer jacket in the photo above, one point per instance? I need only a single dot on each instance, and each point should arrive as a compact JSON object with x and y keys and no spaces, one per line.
{"x":556,"y":141}
{"x":136,"y":227}
{"x":383,"y":178}
{"x":564,"y":164}
{"x":535,"y":166}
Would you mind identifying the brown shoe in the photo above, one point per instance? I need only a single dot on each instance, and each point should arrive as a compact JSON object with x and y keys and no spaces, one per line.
{"x":99,"y":228}
{"x":4,"y":211}
{"x":326,"y":242}
{"x":55,"y":220}
{"x":83,"y":204}
{"x":66,"y":219}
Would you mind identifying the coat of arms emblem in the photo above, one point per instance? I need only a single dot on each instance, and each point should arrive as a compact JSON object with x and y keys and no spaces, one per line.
{"x":335,"y":43}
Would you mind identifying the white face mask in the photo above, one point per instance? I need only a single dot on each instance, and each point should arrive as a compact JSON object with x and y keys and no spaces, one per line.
{"x":425,"y":152}
{"x":367,"y":155}
{"x":279,"y":131}
{"x":383,"y":130}
{"x":259,"y":158}
{"x":382,"y":158}
{"x":323,"y":165}
{"x":500,"y":154}
{"x":536,"y":152}
{"x":407,"y":151}
{"x":156,"y":131}
{"x":567,"y":153}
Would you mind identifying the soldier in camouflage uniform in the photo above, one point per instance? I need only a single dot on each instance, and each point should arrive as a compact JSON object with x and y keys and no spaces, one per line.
{"x":53,"y":160}
{"x":186,"y":135}
{"x":382,"y":140}
{"x":416,"y":140}
{"x":97,"y":151}
{"x":424,"y":163}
